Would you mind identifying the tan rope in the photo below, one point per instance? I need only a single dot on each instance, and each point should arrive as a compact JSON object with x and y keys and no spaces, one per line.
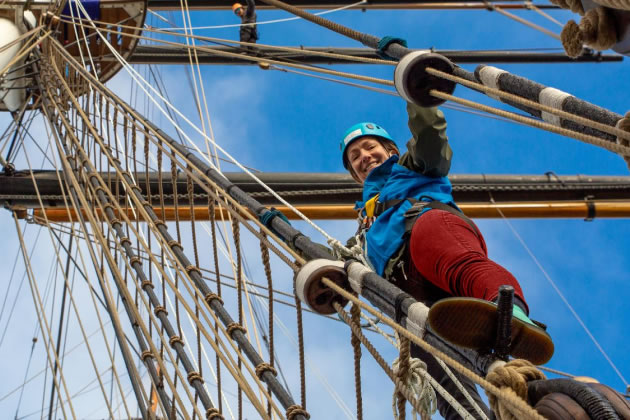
{"x":535,"y":123}
{"x":624,"y":124}
{"x":214,"y":414}
{"x":295,"y":410}
{"x":512,"y":400}
{"x":490,"y":91}
{"x":356,"y":330}
{"x":614,"y":4}
{"x":265,"y":367}
{"x":596,"y":29}
{"x":574,"y":5}
{"x":402,"y":374}
{"x":355,"y":311}
{"x":512,"y":377}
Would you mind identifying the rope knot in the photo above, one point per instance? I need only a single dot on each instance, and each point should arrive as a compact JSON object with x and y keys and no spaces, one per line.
{"x":596,"y":29}
{"x":213,"y":414}
{"x":265,"y":367}
{"x":194,"y":376}
{"x":233,"y":326}
{"x":296,"y":410}
{"x":512,"y":377}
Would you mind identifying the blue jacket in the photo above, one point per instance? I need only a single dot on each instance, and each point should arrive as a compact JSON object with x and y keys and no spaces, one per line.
{"x":421,"y":172}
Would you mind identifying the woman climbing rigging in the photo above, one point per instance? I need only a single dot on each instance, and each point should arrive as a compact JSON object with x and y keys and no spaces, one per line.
{"x":414,"y":235}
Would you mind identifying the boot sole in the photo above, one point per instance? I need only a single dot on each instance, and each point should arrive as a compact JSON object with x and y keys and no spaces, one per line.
{"x":472,"y":323}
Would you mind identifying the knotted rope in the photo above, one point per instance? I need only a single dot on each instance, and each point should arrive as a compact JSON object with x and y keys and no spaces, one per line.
{"x":624,"y":124}
{"x":412,"y":372}
{"x":512,"y":378}
{"x":596,"y":29}
{"x":614,"y":4}
{"x":574,"y":5}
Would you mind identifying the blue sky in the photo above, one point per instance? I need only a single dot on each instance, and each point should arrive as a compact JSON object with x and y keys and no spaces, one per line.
{"x":279,"y":122}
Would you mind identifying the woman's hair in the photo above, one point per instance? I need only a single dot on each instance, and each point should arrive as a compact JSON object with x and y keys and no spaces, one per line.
{"x":388,"y":145}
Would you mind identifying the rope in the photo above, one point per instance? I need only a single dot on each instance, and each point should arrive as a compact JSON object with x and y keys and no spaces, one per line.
{"x":535,"y":123}
{"x":614,"y":4}
{"x":596,"y":29}
{"x":512,"y":378}
{"x":264,"y":253}
{"x":624,"y":124}
{"x":514,"y":401}
{"x":298,"y":313}
{"x":574,"y":5}
{"x":266,"y":22}
{"x":340,"y":29}
{"x":402,"y":372}
{"x":355,"y":312}
{"x":357,"y":331}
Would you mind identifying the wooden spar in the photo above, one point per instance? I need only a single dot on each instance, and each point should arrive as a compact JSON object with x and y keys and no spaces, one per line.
{"x":548,"y":209}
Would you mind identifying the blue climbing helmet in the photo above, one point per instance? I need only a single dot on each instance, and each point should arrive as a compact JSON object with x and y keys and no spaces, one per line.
{"x":361,"y":130}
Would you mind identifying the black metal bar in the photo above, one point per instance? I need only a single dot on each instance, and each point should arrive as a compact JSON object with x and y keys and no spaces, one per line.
{"x":504,"y":322}
{"x":166,"y":54}
{"x":17,"y":190}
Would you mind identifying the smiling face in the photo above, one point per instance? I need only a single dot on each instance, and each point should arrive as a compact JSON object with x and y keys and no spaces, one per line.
{"x":365,"y":154}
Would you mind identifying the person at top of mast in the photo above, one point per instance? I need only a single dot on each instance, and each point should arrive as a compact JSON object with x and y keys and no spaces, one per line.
{"x":248,"y":31}
{"x":413,"y":234}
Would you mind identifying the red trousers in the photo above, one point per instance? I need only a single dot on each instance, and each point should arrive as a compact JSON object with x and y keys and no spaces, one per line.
{"x":447,"y":252}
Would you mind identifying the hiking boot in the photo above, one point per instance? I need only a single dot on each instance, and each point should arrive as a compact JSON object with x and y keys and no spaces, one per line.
{"x":472,"y":323}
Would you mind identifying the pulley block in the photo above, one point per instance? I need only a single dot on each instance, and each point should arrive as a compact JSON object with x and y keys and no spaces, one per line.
{"x":413,"y":82}
{"x":312,"y":291}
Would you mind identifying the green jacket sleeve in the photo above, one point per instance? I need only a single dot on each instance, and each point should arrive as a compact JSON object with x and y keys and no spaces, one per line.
{"x":428,"y":151}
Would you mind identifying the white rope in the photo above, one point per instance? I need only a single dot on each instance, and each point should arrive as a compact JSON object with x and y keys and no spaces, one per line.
{"x":416,"y":383}
{"x":267,"y":22}
{"x":461,"y":388}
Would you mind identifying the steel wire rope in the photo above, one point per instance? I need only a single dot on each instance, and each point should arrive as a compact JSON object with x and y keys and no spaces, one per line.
{"x":560,"y":294}
{"x":28,"y":365}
